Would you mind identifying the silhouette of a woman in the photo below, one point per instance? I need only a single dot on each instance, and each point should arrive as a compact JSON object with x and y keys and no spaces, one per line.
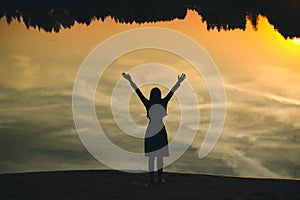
{"x":156,"y":139}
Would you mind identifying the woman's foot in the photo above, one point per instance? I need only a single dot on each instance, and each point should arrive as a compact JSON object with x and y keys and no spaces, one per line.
{"x":161,"y":181}
{"x":151,"y":178}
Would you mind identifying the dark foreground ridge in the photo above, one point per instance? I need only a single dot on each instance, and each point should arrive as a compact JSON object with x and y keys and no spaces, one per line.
{"x":221,"y":14}
{"x":109,"y":184}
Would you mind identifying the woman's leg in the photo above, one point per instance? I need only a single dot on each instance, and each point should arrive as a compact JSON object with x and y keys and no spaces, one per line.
{"x":151,"y":164}
{"x":160,"y":165}
{"x":151,"y":168}
{"x":160,"y":162}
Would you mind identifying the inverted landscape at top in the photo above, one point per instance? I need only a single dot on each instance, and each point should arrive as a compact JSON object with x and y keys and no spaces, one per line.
{"x":221,"y":14}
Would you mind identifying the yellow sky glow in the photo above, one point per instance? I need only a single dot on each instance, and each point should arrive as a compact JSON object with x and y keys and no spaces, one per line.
{"x":296,"y":41}
{"x":51,"y":55}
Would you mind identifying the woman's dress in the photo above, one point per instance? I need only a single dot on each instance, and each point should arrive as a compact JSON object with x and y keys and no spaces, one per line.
{"x":156,"y":139}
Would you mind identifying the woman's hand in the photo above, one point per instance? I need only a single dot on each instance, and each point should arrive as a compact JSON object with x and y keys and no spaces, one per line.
{"x":181,"y":77}
{"x":126,"y":76}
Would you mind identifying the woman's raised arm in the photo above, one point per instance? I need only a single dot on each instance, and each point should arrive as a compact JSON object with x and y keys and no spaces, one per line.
{"x":175,"y":87}
{"x":137,"y":90}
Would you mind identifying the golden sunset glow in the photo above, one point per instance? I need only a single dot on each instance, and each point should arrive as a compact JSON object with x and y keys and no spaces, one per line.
{"x":229,"y":49}
{"x":296,"y":41}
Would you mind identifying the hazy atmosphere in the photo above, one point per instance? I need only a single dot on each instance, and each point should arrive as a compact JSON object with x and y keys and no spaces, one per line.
{"x":259,"y":67}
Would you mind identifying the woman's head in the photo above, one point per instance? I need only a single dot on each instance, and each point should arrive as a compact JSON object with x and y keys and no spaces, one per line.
{"x":155,"y":94}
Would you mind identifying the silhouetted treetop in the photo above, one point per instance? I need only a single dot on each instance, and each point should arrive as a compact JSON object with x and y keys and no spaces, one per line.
{"x":221,"y":14}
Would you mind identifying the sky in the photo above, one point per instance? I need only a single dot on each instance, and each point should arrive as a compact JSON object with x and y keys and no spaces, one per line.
{"x":259,"y":68}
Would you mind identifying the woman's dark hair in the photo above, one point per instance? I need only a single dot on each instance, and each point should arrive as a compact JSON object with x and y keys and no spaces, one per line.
{"x":155,"y":94}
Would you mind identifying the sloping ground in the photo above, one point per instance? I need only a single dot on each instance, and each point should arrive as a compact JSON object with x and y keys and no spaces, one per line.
{"x":109,"y":184}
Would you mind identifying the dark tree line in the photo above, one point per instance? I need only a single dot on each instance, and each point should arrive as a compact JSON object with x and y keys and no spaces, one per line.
{"x":221,"y":14}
